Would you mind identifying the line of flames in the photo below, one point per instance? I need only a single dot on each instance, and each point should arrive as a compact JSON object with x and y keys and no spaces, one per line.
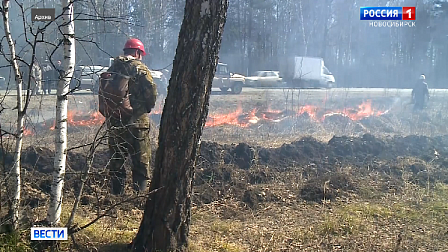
{"x":237,"y":118}
{"x":244,"y":120}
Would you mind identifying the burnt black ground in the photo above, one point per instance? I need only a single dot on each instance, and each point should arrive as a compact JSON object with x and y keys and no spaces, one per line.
{"x":234,"y":170}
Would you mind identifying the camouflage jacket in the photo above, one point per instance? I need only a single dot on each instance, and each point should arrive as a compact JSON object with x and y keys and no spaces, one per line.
{"x":47,"y":71}
{"x":36,"y":72}
{"x":142,"y":89}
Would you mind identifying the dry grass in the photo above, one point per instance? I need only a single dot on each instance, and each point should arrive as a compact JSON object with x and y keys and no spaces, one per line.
{"x":416,"y":219}
{"x":383,"y":215}
{"x":361,"y":226}
{"x":357,"y":226}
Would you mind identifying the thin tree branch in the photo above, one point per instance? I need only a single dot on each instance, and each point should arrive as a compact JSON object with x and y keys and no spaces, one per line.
{"x":76,"y":229}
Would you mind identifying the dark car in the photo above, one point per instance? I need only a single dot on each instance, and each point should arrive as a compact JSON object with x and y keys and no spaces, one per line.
{"x":2,"y":83}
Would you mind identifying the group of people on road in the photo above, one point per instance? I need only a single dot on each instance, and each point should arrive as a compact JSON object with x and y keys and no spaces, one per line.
{"x":44,"y":77}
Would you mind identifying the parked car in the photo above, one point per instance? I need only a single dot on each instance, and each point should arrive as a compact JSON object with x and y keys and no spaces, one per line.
{"x":161,"y":82}
{"x":264,"y":79}
{"x":2,"y":83}
{"x":226,"y":80}
{"x":86,"y":77}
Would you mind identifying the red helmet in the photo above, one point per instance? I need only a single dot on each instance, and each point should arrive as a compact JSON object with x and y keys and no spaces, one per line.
{"x":135,"y":44}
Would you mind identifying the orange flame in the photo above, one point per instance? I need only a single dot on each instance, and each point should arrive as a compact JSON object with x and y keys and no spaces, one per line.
{"x":249,"y":119}
{"x":238,"y":118}
{"x":76,"y":118}
{"x":241,"y":119}
{"x":310,"y":110}
{"x":231,"y":118}
{"x":364,"y":110}
{"x":27,"y":132}
{"x":54,"y":125}
{"x":158,"y":109}
{"x":95,"y":119}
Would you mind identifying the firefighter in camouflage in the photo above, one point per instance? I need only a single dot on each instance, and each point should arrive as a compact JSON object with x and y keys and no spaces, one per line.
{"x":36,"y":79}
{"x":130,"y":137}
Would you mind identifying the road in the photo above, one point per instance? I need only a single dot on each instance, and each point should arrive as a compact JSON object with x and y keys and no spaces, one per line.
{"x":356,"y":92}
{"x":272,"y":96}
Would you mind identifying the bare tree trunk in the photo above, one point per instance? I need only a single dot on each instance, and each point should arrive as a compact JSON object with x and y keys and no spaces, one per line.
{"x":165,"y":224}
{"x":68,"y":30}
{"x":250,"y":43}
{"x":15,"y":171}
{"x":326,"y":28}
{"x":240,"y":38}
{"x":305,"y":40}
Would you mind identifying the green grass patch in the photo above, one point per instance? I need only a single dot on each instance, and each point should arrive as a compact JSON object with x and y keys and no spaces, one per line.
{"x":340,"y":224}
{"x":15,"y":242}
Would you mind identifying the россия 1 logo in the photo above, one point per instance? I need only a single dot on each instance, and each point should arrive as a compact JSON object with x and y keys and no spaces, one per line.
{"x":394,"y":15}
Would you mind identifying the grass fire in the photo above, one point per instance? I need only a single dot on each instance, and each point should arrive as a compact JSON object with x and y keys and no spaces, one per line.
{"x":336,"y":166}
{"x":238,"y":117}
{"x":223,"y":126}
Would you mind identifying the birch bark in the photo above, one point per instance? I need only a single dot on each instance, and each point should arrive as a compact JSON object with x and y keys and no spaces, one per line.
{"x":68,"y":29}
{"x":15,"y":171}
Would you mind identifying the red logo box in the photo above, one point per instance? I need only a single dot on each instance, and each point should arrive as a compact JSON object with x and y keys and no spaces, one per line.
{"x":408,"y":13}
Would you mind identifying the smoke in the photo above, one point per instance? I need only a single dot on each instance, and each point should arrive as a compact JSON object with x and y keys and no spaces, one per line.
{"x":395,"y":102}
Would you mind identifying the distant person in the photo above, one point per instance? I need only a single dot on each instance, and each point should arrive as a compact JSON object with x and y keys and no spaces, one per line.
{"x":36,"y":79}
{"x":59,"y":68}
{"x":165,"y":81}
{"x":127,"y":117}
{"x":420,"y":93}
{"x":48,"y":75}
{"x":57,"y":72}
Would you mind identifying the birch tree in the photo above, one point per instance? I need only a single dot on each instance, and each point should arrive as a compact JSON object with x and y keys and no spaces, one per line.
{"x":68,"y":30}
{"x":166,"y":220}
{"x":15,"y":171}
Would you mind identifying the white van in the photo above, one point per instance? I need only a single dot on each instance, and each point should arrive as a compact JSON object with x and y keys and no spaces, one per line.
{"x":86,"y":77}
{"x":306,"y":72}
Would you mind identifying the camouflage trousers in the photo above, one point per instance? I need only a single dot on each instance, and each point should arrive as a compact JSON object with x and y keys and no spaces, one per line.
{"x":129,"y":141}
{"x":36,"y":87}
